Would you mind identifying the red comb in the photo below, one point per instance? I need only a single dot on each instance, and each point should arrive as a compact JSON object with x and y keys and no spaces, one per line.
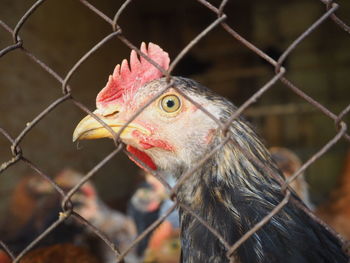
{"x":125,"y":79}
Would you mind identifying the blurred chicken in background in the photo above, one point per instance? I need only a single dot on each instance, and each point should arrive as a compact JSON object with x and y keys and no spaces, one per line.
{"x":35,"y":205}
{"x":149,"y":202}
{"x":289,"y":163}
{"x":119,"y":228}
{"x":144,"y":207}
{"x":164,"y":243}
{"x":336,"y":211}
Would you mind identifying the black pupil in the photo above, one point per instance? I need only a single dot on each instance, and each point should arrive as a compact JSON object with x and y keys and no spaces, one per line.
{"x":170,"y":103}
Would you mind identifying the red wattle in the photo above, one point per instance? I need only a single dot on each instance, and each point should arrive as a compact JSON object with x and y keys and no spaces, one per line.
{"x":148,"y":142}
{"x":142,"y":156}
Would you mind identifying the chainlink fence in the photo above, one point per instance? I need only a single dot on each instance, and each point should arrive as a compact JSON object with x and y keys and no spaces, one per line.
{"x":116,"y":32}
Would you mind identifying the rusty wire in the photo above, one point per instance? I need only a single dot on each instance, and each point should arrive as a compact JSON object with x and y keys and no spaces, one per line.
{"x":116,"y":32}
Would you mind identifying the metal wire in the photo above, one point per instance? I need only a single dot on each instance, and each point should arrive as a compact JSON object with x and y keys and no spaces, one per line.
{"x":116,"y":32}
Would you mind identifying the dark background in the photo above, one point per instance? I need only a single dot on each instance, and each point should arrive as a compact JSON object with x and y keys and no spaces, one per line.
{"x":60,"y":32}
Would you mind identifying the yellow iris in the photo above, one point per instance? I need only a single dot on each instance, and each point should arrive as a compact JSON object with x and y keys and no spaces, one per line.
{"x":170,"y":103}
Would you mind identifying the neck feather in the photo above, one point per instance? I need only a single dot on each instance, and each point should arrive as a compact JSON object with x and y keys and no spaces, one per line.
{"x":236,"y":188}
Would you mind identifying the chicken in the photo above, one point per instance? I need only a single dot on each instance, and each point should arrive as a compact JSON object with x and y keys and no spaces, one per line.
{"x":164,"y":243}
{"x":27,"y":197}
{"x":115,"y":224}
{"x":230,"y":190}
{"x":34,"y":206}
{"x":336,"y":211}
{"x":144,"y":207}
{"x":119,"y":228}
{"x":41,"y":205}
{"x":289,"y":163}
{"x":149,"y":202}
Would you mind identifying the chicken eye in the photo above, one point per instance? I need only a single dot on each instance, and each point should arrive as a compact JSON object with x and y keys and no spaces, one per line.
{"x":170,"y":103}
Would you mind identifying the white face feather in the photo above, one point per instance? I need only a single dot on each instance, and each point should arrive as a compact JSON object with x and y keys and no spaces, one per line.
{"x":188,"y":132}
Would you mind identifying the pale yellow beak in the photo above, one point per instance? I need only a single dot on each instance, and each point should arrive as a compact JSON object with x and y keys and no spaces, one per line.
{"x":89,"y":128}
